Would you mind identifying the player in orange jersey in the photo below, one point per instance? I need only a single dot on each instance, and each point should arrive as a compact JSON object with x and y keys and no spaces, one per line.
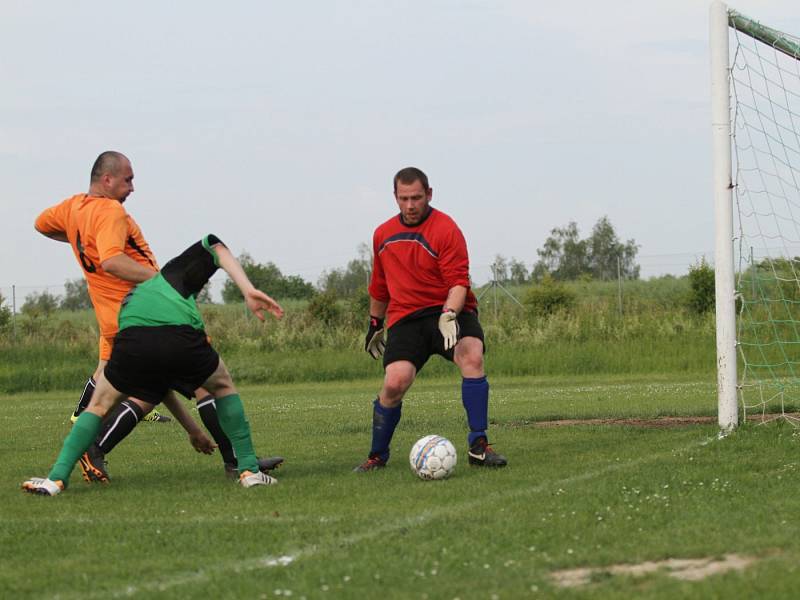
{"x":114,"y":257}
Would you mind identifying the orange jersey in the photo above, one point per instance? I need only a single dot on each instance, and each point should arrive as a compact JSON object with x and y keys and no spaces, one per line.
{"x":99,"y":229}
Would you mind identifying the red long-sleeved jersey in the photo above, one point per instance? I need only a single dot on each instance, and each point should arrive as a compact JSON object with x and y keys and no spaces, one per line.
{"x":414,"y":267}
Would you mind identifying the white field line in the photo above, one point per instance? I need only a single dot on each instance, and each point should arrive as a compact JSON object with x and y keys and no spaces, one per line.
{"x":145,"y":586}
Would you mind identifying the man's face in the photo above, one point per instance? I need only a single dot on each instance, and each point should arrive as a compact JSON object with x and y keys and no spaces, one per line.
{"x":120,"y":185}
{"x":413,"y":200}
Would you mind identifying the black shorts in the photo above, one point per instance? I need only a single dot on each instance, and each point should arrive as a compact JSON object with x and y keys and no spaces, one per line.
{"x":416,"y":339}
{"x":147,"y":362}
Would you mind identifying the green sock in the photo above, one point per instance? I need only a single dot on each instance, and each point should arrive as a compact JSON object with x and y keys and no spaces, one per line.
{"x":231,"y":417}
{"x":80,"y":437}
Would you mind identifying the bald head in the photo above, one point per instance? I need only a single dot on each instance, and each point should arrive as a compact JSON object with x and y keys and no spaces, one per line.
{"x":112,"y":176}
{"x":108,"y":163}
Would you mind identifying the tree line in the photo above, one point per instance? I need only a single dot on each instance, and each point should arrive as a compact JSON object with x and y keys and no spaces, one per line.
{"x":564,"y":256}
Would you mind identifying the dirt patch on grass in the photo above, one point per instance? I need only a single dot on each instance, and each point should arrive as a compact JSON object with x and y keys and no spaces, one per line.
{"x":655,"y":423}
{"x":689,"y":569}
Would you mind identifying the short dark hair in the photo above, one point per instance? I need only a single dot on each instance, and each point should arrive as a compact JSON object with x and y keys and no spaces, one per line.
{"x":409,"y":175}
{"x":108,"y":162}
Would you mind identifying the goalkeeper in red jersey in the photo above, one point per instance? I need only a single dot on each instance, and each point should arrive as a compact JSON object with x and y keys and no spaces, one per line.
{"x":420,"y":294}
{"x":162,"y":345}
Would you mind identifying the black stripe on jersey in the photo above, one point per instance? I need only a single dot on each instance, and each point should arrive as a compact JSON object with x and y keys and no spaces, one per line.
{"x":408,"y":237}
{"x":132,"y":244}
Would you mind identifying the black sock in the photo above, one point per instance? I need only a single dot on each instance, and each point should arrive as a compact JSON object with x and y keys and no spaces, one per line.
{"x":117,"y":425}
{"x":88,"y":390}
{"x":208,"y":414}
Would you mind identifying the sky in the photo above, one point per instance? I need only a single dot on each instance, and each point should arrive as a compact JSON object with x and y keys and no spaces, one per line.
{"x":278,"y":126}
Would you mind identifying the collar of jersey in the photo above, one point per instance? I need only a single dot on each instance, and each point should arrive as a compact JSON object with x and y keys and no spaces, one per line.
{"x":425,"y":218}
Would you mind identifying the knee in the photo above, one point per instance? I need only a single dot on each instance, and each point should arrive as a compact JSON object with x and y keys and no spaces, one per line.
{"x":394,"y":386}
{"x":470,"y":360}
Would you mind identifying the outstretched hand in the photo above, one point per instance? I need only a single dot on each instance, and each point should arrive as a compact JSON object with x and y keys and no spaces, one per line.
{"x":201,"y":442}
{"x":257,"y":301}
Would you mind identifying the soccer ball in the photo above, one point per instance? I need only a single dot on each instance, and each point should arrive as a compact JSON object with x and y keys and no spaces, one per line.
{"x":433,"y":457}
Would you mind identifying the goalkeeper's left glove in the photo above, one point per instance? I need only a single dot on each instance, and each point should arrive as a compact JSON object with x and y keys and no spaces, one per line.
{"x":374,"y":344}
{"x":448,"y":325}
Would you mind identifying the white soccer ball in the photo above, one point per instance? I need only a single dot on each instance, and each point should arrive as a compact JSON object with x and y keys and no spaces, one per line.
{"x":433,"y":457}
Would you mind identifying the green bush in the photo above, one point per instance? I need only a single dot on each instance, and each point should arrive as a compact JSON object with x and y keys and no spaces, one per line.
{"x":548,"y":297}
{"x":5,"y":313}
{"x":324,"y":308}
{"x":701,"y":288}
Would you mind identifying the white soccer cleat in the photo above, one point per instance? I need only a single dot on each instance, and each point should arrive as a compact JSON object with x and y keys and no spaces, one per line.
{"x":43,"y":486}
{"x":249,"y":479}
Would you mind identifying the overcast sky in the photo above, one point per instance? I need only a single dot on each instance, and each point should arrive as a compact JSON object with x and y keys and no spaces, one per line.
{"x":279,"y":125}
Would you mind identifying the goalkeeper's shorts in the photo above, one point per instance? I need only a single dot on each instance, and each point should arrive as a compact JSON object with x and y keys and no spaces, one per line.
{"x":417,"y":339}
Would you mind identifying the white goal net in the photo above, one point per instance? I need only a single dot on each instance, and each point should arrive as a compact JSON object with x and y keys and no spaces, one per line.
{"x":765,"y":130}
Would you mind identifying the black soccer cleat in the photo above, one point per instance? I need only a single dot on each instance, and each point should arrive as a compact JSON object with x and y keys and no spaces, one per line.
{"x":482,"y":454}
{"x":373,"y":463}
{"x":265,"y":465}
{"x":93,"y":466}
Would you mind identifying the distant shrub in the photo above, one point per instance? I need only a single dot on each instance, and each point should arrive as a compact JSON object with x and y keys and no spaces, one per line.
{"x":5,"y":312}
{"x":323,"y":308}
{"x":548,"y":297}
{"x":37,"y":304}
{"x":701,"y":288}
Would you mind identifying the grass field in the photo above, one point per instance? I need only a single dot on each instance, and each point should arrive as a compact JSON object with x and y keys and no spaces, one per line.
{"x":578,"y":496}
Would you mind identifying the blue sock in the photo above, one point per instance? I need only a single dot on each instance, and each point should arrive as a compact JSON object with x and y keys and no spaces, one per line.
{"x":475,"y":398}
{"x":384,"y":421}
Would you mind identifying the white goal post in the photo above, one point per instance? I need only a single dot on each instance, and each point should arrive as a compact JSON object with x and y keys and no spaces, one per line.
{"x":727,"y":405}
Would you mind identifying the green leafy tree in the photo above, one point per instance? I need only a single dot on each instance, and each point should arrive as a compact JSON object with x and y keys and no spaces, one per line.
{"x":606,"y":253}
{"x":564,"y":255}
{"x":76,"y":295}
{"x":267,"y":277}
{"x":500,"y":269}
{"x":350,"y":280}
{"x":42,"y":303}
{"x":518,"y":272}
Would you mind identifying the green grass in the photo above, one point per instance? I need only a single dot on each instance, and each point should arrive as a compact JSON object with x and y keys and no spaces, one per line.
{"x":29,"y":368}
{"x":170,"y":526}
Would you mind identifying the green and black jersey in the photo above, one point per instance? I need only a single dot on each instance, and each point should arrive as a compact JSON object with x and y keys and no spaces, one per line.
{"x":169,"y":297}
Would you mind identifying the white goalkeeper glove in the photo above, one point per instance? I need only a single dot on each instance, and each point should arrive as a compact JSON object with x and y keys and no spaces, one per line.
{"x":448,"y":326}
{"x":374,"y":343}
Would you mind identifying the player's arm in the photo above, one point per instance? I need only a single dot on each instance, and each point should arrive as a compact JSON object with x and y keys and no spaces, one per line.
{"x":377,"y":308}
{"x":49,"y":224}
{"x":124,"y":267}
{"x":454,"y":266}
{"x":256,"y":300}
{"x":456,"y":298}
{"x":197,"y":437}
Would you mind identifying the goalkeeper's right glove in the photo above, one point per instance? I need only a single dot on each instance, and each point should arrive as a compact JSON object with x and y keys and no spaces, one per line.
{"x":374,"y":343}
